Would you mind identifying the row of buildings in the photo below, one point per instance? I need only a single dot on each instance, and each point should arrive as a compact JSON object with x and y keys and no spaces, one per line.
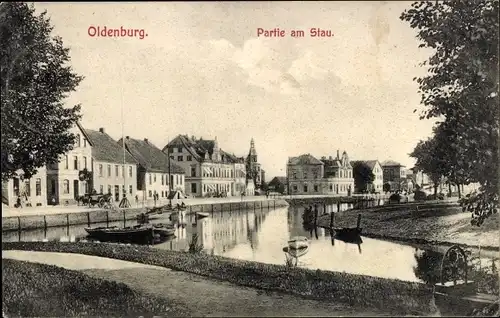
{"x":338,"y":175}
{"x":137,"y":169}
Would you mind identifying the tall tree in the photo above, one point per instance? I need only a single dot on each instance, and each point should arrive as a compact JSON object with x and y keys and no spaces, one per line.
{"x":462,"y":88}
{"x":35,"y":80}
{"x":363,"y":176}
{"x":429,"y":162}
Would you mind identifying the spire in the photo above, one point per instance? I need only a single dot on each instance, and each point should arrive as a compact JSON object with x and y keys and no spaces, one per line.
{"x":252,"y":151}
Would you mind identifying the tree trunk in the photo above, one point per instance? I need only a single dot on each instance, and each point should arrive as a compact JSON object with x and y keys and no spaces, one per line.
{"x":459,"y":192}
{"x":449,"y":189}
{"x":435,"y":189}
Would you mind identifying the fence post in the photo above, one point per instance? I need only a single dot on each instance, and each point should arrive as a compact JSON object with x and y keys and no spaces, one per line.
{"x":67,"y":219}
{"x":124,"y":219}
{"x":19,"y":223}
{"x":107,"y":218}
{"x":88,"y":219}
{"x":45,"y":223}
{"x":222,"y":207}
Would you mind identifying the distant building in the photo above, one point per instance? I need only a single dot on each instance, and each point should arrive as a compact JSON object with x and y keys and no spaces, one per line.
{"x":155,"y":172}
{"x":278,"y":184}
{"x":394,"y":176}
{"x":376,"y":169}
{"x":308,"y":175}
{"x":209,"y":170}
{"x":64,"y":184}
{"x":109,"y":173}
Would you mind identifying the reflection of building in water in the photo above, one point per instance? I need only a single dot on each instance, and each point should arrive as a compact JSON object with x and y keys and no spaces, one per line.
{"x":228,"y":230}
{"x":205,"y":233}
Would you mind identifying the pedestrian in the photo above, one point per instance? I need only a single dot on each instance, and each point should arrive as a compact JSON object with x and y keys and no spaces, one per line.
{"x":154,"y":197}
{"x":136,"y":200}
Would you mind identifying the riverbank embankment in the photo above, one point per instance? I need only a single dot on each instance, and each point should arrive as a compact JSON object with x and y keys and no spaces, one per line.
{"x":86,"y":216}
{"x":420,"y":223}
{"x":392,"y":296}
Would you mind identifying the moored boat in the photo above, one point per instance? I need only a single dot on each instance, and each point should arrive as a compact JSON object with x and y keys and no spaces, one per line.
{"x":164,"y":230}
{"x":298,"y":242}
{"x":138,"y":233}
{"x":296,"y":252}
{"x":201,"y":215}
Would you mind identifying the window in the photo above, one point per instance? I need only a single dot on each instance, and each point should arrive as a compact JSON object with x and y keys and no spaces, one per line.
{"x":101,"y":189}
{"x":170,"y":150}
{"x":162,"y":194}
{"x":179,"y":149}
{"x":66,"y":163}
{"x":84,"y":162}
{"x":109,"y":188}
{"x":78,"y":142}
{"x":38,"y":187}
{"x":27,"y":187}
{"x":65,"y":186}
{"x":123,"y":171}
{"x":75,"y":162}
{"x":162,"y":180}
{"x":181,"y":180}
{"x":123,"y":190}
{"x":189,"y":158}
{"x":193,"y":171}
{"x":294,"y":175}
{"x":100,"y":170}
{"x":305,"y":187}
{"x":130,"y":171}
{"x":150,"y":179}
{"x":315,"y":188}
{"x":295,"y":188}
{"x":84,"y":142}
{"x":180,"y":158}
{"x":116,"y":170}
{"x":154,"y":178}
{"x":109,"y":170}
{"x":331,"y":187}
{"x":130,"y":189}
{"x":176,"y":179}
{"x":193,"y":187}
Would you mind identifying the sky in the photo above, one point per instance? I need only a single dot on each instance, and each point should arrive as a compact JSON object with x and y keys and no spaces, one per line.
{"x":203,"y":71}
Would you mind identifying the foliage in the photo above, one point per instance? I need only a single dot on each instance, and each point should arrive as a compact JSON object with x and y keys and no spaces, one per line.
{"x":428,"y":266}
{"x":35,"y":80}
{"x":461,"y":89}
{"x":34,"y":290}
{"x":194,"y":246}
{"x":481,"y":205}
{"x":363,"y":175}
{"x":393,"y":296}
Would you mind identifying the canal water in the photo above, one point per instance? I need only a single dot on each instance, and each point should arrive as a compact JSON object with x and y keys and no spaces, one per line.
{"x":260,"y":235}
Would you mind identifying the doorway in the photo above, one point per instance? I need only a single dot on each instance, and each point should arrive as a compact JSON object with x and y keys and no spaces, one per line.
{"x":76,"y":189}
{"x":117,"y":193}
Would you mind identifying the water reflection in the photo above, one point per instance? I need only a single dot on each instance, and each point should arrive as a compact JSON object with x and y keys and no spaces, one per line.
{"x":260,"y":236}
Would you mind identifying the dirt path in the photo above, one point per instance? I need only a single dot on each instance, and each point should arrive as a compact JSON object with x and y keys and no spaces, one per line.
{"x":202,"y":296}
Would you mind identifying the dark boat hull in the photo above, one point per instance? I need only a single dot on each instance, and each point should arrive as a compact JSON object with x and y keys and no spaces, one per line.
{"x":138,"y":234}
{"x":164,"y":231}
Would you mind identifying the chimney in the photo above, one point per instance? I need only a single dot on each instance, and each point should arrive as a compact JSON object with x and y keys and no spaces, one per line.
{"x":127,"y":137}
{"x":146,"y":140}
{"x":101,"y":130}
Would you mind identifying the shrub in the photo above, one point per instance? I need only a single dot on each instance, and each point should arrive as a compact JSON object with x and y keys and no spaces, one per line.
{"x":31,"y":290}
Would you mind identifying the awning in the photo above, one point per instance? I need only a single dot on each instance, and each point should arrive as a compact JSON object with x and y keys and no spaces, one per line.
{"x":207,"y":170}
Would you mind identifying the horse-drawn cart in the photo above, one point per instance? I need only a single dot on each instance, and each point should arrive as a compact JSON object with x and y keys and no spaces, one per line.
{"x":99,"y":200}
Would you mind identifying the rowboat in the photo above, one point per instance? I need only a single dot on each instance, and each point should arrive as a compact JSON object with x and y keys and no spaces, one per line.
{"x":201,"y":215}
{"x":164,"y":230}
{"x":298,"y":242}
{"x":348,"y":232}
{"x":296,"y":252}
{"x":138,"y":233}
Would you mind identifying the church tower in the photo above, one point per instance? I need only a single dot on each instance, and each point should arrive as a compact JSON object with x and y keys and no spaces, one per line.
{"x":253,"y":166}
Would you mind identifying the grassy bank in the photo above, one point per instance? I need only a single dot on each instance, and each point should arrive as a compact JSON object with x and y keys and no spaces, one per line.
{"x":427,"y":224}
{"x":33,"y":290}
{"x":393,"y":296}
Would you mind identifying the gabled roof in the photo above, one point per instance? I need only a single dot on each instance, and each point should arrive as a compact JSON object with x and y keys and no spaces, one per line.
{"x":305,"y":159}
{"x":105,"y":148}
{"x":150,"y":157}
{"x":84,"y":133}
{"x":199,"y":147}
{"x":281,"y":180}
{"x":332,"y":162}
{"x":370,"y":163}
{"x":391,"y":163}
